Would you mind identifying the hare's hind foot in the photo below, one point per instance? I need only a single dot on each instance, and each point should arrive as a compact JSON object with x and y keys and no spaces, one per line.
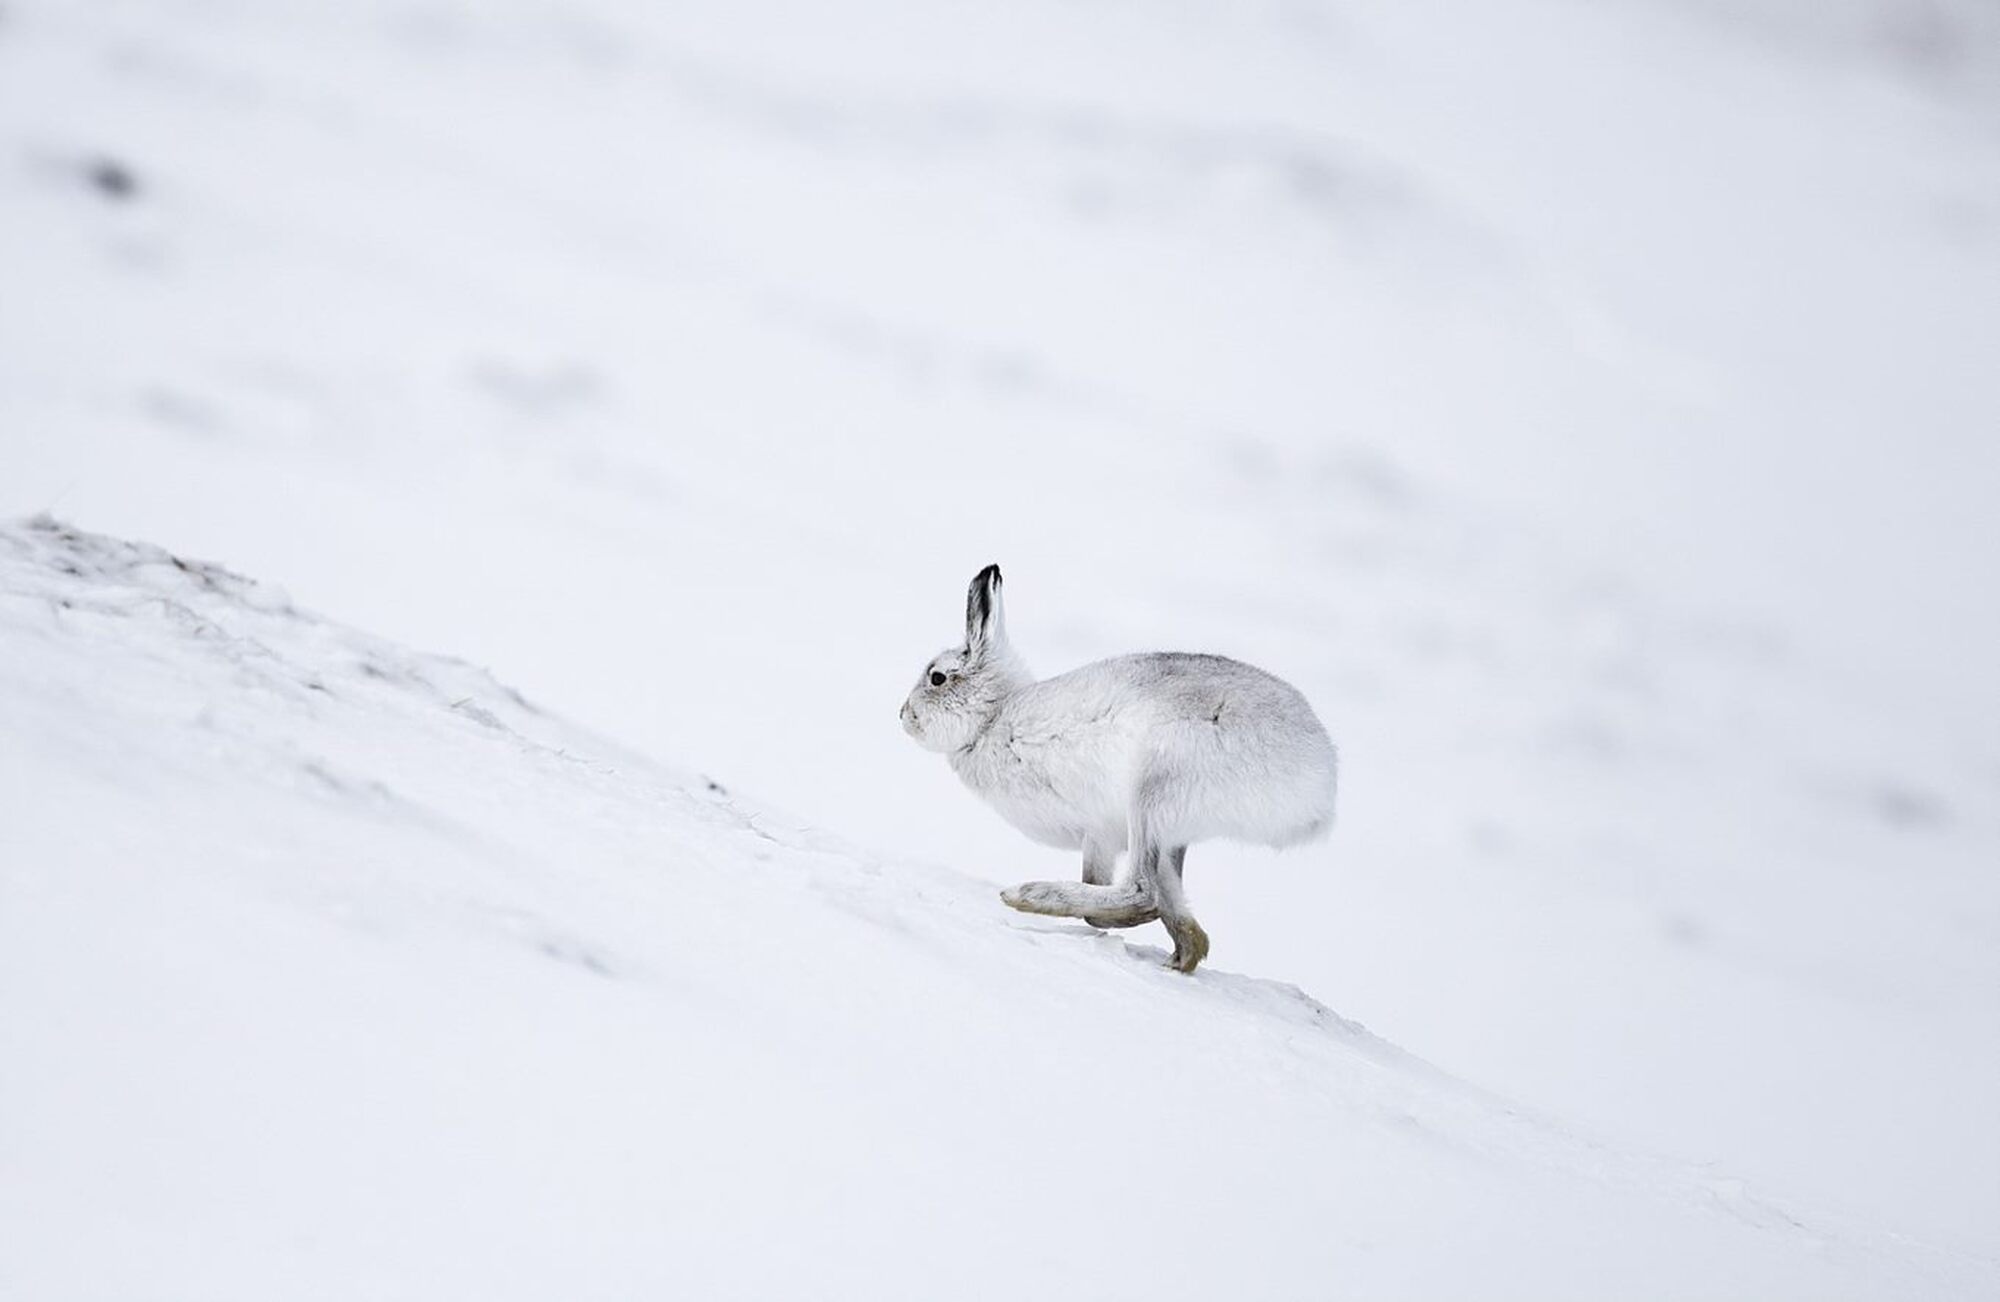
{"x":1109,"y":922}
{"x":1123,"y":906}
{"x":1034,"y":897}
{"x":1112,"y":906}
{"x":1190,"y":945}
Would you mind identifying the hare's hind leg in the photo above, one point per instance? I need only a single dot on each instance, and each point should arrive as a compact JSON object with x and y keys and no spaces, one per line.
{"x":1125,"y":905}
{"x":1096,"y":899}
{"x":1170,"y":862}
{"x":1152,"y":891}
{"x":1100,"y":868}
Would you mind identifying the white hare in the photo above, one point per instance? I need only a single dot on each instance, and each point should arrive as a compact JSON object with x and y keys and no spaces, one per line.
{"x":1146,"y":753}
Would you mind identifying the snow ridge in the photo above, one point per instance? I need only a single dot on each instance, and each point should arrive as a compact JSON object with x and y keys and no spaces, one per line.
{"x":359,"y":974}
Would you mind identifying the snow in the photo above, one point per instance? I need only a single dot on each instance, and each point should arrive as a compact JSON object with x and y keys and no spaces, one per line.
{"x":1588,"y":406}
{"x":342,"y":970}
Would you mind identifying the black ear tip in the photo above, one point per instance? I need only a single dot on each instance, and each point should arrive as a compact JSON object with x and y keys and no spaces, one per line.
{"x":980,"y":601}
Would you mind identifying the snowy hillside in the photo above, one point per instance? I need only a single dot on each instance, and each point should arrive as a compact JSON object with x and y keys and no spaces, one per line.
{"x":1589,"y":406}
{"x":338,"y":970}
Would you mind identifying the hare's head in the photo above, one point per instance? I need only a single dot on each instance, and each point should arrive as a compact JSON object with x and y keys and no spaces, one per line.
{"x":962,"y":686}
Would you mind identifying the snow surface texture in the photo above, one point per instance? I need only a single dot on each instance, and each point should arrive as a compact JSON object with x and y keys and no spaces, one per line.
{"x":337,"y":970}
{"x":1589,"y":406}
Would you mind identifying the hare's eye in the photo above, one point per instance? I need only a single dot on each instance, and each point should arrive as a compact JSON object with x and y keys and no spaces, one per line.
{"x":937,"y":679}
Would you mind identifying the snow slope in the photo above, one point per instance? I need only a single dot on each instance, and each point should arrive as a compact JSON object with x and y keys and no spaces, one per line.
{"x":337,"y":970}
{"x":1589,"y":405}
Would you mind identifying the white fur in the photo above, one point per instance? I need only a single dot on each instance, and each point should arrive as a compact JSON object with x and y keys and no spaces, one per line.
{"x":1141,"y":753}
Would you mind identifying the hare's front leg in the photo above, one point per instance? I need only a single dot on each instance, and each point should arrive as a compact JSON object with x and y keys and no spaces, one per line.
{"x":1158,"y":856}
{"x":1100,"y":863}
{"x":1190,"y":941}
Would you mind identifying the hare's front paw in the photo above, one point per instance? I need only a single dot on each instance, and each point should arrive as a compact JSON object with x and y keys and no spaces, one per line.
{"x":1190,"y":946}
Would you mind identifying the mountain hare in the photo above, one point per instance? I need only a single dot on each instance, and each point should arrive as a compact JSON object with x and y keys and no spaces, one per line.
{"x":1149,"y":753}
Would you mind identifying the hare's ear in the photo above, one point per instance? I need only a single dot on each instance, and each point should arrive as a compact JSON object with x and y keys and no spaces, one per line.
{"x":985,"y":626}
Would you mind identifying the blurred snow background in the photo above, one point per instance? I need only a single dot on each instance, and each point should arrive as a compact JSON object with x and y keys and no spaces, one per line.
{"x":1591,"y":407}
